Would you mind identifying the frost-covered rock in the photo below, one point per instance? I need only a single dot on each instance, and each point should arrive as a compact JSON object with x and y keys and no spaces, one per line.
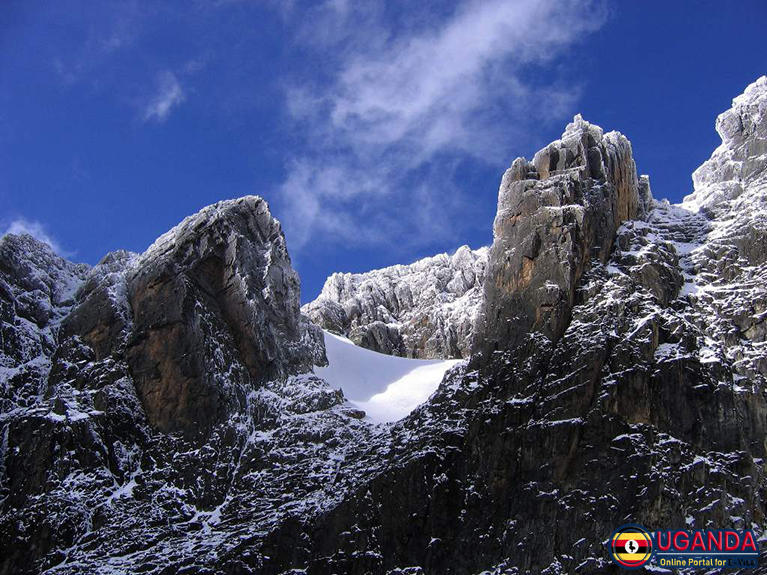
{"x":424,"y":310}
{"x":37,"y":290}
{"x":638,"y":396}
{"x":726,"y":263}
{"x":739,"y":162}
{"x":103,"y":315}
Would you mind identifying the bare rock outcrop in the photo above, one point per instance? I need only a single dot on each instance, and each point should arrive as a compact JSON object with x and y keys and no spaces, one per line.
{"x":215,"y":306}
{"x":556,"y":215}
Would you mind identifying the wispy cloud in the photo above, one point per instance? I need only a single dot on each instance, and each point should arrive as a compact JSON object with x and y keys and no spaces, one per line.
{"x":112,"y":27}
{"x":38,"y":231}
{"x":168,"y":94}
{"x":405,"y":103}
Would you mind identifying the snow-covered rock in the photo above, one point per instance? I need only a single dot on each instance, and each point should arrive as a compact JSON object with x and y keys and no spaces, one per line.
{"x":739,"y":162}
{"x":725,"y":260}
{"x":641,"y":399}
{"x":37,"y":290}
{"x":423,"y":310}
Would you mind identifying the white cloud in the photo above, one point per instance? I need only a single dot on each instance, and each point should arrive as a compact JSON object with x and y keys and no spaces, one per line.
{"x":168,"y":95}
{"x":37,"y":230}
{"x":412,"y":100}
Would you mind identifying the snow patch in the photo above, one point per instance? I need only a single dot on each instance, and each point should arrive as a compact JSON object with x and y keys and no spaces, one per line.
{"x":386,"y":387}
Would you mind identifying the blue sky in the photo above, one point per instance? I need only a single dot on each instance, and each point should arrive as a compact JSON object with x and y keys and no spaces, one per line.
{"x":378,"y":132}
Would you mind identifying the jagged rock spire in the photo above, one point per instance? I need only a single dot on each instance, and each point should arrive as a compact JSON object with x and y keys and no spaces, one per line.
{"x":555,"y":215}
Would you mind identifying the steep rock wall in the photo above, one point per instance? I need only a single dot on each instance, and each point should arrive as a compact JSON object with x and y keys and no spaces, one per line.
{"x":555,"y":216}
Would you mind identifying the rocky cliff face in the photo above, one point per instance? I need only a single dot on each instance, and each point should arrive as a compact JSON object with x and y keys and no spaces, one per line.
{"x":215,"y":314}
{"x":423,"y":310}
{"x":112,"y":374}
{"x":557,"y":215}
{"x":37,"y":291}
{"x":619,"y":375}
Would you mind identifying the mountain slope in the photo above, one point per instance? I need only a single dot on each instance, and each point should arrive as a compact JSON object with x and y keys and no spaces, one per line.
{"x":614,"y":403}
{"x":176,"y":422}
{"x":423,"y":310}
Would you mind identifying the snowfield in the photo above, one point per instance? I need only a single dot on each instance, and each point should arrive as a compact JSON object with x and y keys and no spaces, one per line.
{"x":386,"y":387}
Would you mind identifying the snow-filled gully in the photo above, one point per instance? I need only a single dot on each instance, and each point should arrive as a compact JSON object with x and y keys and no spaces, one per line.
{"x":386,"y":387}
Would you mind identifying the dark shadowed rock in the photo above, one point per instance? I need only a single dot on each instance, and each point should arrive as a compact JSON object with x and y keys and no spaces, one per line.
{"x":380,"y":337}
{"x":623,"y":379}
{"x":215,"y":306}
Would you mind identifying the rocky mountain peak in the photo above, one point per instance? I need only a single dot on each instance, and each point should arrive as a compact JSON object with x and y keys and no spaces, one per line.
{"x":620,"y":355}
{"x":233,"y":252}
{"x":207,"y":314}
{"x":215,"y":304}
{"x":576,"y":129}
{"x":741,"y":159}
{"x":724,"y":260}
{"x":745,"y":120}
{"x":555,"y":216}
{"x":423,"y":310}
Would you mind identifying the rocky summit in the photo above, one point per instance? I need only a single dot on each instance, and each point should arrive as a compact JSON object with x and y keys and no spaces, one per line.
{"x":160,"y":412}
{"x":427,"y":309}
{"x":557,"y":216}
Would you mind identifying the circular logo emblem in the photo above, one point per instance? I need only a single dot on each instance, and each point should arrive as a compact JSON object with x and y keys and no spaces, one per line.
{"x":631,"y":546}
